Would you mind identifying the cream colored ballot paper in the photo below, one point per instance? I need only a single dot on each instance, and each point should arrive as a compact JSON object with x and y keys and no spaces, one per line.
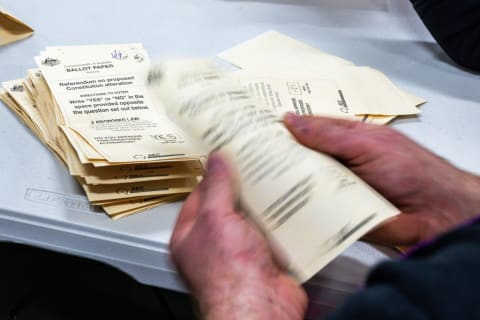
{"x":101,"y":93}
{"x":11,"y":28}
{"x":363,"y":90}
{"x":310,"y":206}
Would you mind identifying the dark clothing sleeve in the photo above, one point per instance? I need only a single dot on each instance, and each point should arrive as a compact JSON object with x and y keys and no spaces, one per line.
{"x":456,"y":27}
{"x":438,"y":281}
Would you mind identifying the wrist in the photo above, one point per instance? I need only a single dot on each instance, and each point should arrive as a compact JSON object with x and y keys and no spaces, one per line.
{"x":459,"y":204}
{"x":253,"y":301}
{"x":468,"y":201}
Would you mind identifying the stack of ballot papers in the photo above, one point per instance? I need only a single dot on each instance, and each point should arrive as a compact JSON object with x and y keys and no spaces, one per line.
{"x":91,"y":107}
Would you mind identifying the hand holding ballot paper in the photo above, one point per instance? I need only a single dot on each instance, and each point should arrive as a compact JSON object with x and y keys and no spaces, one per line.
{"x":91,"y":107}
{"x":287,"y":189}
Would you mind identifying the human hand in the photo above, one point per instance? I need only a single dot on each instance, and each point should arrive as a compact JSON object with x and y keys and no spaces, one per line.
{"x":225,"y":260}
{"x":432,"y":195}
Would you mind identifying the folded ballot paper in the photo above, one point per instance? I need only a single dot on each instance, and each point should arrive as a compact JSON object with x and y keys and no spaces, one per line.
{"x":91,"y":106}
{"x":11,"y":28}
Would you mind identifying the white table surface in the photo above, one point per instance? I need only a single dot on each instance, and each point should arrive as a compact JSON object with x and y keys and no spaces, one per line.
{"x":40,"y":204}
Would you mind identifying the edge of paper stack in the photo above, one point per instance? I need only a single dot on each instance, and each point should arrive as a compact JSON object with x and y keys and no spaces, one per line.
{"x":12,"y":28}
{"x":90,"y":107}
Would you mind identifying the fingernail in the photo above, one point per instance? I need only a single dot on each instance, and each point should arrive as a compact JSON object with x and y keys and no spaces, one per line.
{"x":297,"y":123}
{"x":215,"y":163}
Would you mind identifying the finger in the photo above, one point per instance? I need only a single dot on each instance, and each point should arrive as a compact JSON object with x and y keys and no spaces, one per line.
{"x":343,"y":139}
{"x":217,"y":196}
{"x":187,"y":217}
{"x":393,"y":233}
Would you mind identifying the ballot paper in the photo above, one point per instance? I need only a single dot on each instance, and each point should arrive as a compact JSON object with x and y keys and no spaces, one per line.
{"x":11,"y":28}
{"x":308,"y":204}
{"x":306,"y":71}
{"x":100,"y":91}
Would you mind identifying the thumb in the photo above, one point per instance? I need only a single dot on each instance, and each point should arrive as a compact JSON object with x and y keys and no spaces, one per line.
{"x":339,"y":138}
{"x":217,"y":190}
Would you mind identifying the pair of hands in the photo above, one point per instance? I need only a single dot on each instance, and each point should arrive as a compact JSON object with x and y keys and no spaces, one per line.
{"x":227,"y":262}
